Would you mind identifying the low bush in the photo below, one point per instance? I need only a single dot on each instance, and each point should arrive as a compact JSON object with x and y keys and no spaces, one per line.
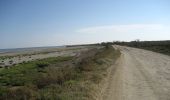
{"x":42,"y":64}
{"x":11,"y":61}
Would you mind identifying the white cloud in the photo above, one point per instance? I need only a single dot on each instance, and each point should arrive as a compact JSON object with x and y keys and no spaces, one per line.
{"x":133,"y":28}
{"x":128,"y":32}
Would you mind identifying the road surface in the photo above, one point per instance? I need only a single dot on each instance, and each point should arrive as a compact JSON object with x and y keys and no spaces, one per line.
{"x":139,"y":75}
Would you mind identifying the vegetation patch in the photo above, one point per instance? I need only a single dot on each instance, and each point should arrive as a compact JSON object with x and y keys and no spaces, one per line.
{"x":156,"y":46}
{"x":59,"y":78}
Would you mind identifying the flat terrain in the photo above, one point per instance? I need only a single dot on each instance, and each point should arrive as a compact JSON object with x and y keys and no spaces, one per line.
{"x":139,"y":75}
{"x":16,"y":57}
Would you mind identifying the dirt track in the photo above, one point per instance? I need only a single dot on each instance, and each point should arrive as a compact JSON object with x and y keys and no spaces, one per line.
{"x":139,"y":75}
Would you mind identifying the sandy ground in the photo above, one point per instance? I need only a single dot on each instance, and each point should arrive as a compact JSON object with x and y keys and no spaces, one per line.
{"x":139,"y":75}
{"x":19,"y":57}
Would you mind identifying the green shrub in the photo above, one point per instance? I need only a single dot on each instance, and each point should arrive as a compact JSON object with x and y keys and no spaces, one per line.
{"x":42,"y":64}
{"x":11,"y":61}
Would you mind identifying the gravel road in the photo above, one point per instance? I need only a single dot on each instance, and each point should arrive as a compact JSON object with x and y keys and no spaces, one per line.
{"x":139,"y":75}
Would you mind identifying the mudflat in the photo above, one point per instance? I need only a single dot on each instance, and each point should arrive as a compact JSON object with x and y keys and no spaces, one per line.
{"x":15,"y":57}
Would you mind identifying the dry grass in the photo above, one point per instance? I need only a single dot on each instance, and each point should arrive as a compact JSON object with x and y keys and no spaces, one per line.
{"x":63,"y":78}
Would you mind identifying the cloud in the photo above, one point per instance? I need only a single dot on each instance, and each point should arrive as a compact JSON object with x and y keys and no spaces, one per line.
{"x":126,"y":32}
{"x":127,"y":29}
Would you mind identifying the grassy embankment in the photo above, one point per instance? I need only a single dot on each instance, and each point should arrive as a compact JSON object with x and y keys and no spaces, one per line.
{"x":156,"y":46}
{"x":59,"y":78}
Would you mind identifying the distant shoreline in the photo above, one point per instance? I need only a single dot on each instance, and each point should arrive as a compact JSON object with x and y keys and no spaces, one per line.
{"x":10,"y":50}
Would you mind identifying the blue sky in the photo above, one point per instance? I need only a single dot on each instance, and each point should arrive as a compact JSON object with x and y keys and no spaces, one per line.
{"x":29,"y":23}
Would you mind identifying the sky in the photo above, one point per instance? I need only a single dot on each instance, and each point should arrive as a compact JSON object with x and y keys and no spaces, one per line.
{"x":32,"y":23}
